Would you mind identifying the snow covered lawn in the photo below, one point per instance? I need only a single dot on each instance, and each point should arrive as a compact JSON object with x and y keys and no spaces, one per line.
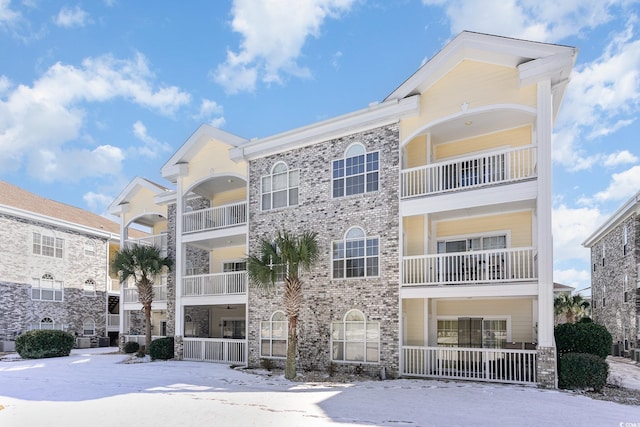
{"x":92,"y":389}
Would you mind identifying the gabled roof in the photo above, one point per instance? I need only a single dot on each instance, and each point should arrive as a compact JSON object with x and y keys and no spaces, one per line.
{"x":534,"y":60}
{"x":194,"y":144}
{"x":632,"y":205}
{"x":18,"y":202}
{"x":131,"y":190}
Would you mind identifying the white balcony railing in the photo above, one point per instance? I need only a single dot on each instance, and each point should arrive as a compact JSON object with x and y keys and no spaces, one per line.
{"x":113,"y":321}
{"x":469,"y":172}
{"x":489,"y":266}
{"x":215,"y":218}
{"x":477,"y":364}
{"x":157,"y":240}
{"x":159,"y":294}
{"x":221,"y":350}
{"x":232,"y":283}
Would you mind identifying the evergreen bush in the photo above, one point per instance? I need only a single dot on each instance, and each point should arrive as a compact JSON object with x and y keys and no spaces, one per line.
{"x":39,"y":344}
{"x":131,"y":347}
{"x":583,"y":338}
{"x":582,"y":371}
{"x":161,"y":348}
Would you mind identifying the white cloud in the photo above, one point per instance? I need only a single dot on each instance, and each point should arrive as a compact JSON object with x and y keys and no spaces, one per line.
{"x":42,"y":120}
{"x":69,"y":18}
{"x":72,"y":165}
{"x":7,"y":16}
{"x":97,"y":202}
{"x":211,"y":112}
{"x":620,"y":158}
{"x":622,"y":186}
{"x":272,"y":40}
{"x":571,"y":226}
{"x":579,"y":279}
{"x":152,"y":147}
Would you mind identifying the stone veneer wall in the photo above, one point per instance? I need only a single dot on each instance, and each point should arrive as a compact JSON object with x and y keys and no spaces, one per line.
{"x":19,"y":266}
{"x":607,"y":282}
{"x":325,"y":299}
{"x":546,"y":369}
{"x":171,"y":276}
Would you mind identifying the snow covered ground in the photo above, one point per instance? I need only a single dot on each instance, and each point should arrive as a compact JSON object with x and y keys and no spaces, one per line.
{"x":93,"y":389}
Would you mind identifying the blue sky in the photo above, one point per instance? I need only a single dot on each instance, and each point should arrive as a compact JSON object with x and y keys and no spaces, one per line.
{"x":93,"y":93}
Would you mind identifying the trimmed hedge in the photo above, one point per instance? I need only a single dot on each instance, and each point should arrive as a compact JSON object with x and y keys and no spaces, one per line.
{"x":39,"y":344}
{"x":161,"y":348}
{"x":581,"y":371}
{"x":583,"y":338}
{"x":131,"y":347}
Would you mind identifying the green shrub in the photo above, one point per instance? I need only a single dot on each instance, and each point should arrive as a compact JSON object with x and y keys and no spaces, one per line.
{"x":161,"y":348}
{"x":131,"y":347}
{"x":585,"y":319}
{"x":582,"y":371}
{"x":44,"y":343}
{"x":583,"y":338}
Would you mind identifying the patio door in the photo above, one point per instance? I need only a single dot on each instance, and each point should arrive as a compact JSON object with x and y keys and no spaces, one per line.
{"x":470,"y":332}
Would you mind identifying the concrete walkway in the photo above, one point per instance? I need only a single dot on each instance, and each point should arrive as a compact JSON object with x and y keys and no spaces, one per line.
{"x":624,"y":372}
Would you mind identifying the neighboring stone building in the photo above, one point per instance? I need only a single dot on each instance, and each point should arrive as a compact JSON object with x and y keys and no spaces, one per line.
{"x":615,"y":262}
{"x":433,"y":214}
{"x":54,"y":271}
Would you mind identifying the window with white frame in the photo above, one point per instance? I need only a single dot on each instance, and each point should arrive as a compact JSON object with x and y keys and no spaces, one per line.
{"x":89,"y":248}
{"x":231,"y":266}
{"x":47,"y":288}
{"x":356,"y":173}
{"x":280,"y":188}
{"x":356,"y":255}
{"x":473,"y":332}
{"x":46,"y":323}
{"x":354,"y":339}
{"x":88,"y":327}
{"x":625,"y":240}
{"x":89,"y":288}
{"x":48,"y":245}
{"x":273,"y":336}
{"x":603,"y":252}
{"x":625,"y":285}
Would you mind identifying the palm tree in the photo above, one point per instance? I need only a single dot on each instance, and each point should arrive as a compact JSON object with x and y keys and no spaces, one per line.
{"x":572,"y":307}
{"x":143,"y":263}
{"x":283,"y":258}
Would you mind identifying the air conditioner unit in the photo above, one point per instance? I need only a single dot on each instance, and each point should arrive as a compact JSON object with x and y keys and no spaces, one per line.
{"x":83,"y":342}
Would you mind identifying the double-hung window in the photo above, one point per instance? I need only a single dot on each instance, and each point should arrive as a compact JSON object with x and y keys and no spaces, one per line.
{"x":280,"y":188}
{"x":48,"y":245}
{"x":354,"y":339}
{"x":356,"y":255}
{"x":273,"y":336}
{"x":46,"y":288}
{"x":89,"y":288}
{"x":356,"y":173}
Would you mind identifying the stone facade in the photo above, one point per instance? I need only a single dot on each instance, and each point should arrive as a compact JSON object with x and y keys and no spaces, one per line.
{"x":171,"y":275}
{"x":20,"y":266}
{"x":326,"y":299}
{"x":614,"y":298}
{"x":546,"y":369}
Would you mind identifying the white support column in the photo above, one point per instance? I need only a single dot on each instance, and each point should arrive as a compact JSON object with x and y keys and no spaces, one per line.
{"x":124,"y":235}
{"x":544,"y":233}
{"x":179,"y":261}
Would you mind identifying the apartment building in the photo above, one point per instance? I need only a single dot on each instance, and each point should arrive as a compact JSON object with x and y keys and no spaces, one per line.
{"x":433,"y":214}
{"x":55,"y":269}
{"x":615,"y":264}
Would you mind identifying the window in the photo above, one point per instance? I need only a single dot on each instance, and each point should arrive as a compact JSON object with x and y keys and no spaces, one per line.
{"x":88,"y":327}
{"x":46,"y":288}
{"x":354,"y":339}
{"x":280,"y":188}
{"x":89,"y":248}
{"x":603,"y":253}
{"x":356,"y":255}
{"x":89,"y":288}
{"x":473,"y":332}
{"x":189,"y":270}
{"x":231,"y":266}
{"x":625,"y":240}
{"x":356,"y":173}
{"x":46,"y":323}
{"x":47,"y":245}
{"x":233,"y":328}
{"x":273,"y":336}
{"x":625,"y":286}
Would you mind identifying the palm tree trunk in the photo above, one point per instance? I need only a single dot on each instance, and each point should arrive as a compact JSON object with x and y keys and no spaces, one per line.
{"x":290,"y":366}
{"x":147,"y":328}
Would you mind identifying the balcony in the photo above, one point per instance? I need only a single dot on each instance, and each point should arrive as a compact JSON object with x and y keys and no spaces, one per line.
{"x":218,"y":350}
{"x":113,"y":322}
{"x":474,"y":267}
{"x":157,"y":240}
{"x":234,"y":283}
{"x":113,"y":285}
{"x":215,"y":218}
{"x":492,"y":168}
{"x":159,"y":294}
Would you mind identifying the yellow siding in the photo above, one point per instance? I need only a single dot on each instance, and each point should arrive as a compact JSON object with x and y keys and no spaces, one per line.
{"x":414,"y":236}
{"x":160,"y":227}
{"x":227,"y":197}
{"x":512,"y":138}
{"x":213,"y":158}
{"x":520,"y":311}
{"x":221,"y":255}
{"x":476,"y":83}
{"x":143,"y":203}
{"x":413,"y":311}
{"x":416,"y":152}
{"x":519,"y":223}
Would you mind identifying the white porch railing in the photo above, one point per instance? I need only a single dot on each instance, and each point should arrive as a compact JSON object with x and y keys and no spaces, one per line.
{"x":140,"y":339}
{"x":469,"y":172}
{"x":157,"y":240}
{"x":478,"y":364}
{"x":489,"y":266}
{"x":232,"y":283}
{"x":219,"y":350}
{"x":215,"y":218}
{"x":159,"y":294}
{"x":113,"y":322}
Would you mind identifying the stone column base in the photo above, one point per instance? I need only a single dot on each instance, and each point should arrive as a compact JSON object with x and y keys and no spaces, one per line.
{"x":547,"y":367}
{"x":178,"y":347}
{"x":121,"y":341}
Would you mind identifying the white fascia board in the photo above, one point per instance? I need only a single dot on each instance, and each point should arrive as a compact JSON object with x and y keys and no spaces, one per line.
{"x":555,"y":67}
{"x":471,"y":291}
{"x":172,"y":172}
{"x":374,"y":116}
{"x":130,"y":190}
{"x":618,"y":216}
{"x":166,"y":198}
{"x":32,"y":216}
